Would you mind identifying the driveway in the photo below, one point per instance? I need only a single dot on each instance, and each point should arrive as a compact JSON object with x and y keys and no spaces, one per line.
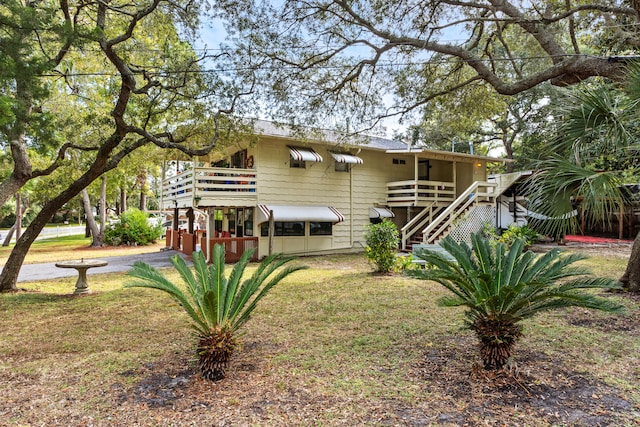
{"x":117,"y":264}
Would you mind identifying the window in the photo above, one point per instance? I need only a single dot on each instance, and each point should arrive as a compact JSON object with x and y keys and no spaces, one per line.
{"x":342,"y":167}
{"x":320,"y":228}
{"x":295,"y":163}
{"x":238,"y":159}
{"x":248,"y":222}
{"x":399,"y":162}
{"x":283,"y":228}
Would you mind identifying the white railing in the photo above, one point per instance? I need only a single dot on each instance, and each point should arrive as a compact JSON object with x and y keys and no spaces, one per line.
{"x":210,"y":182}
{"x":477,"y":192}
{"x":417,"y":223}
{"x":419,"y":192}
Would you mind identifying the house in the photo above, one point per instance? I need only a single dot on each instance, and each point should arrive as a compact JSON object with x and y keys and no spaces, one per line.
{"x":280,"y":194}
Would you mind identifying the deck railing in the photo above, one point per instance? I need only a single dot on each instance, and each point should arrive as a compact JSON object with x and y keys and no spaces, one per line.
{"x":477,"y":192}
{"x":419,"y":192}
{"x":234,"y":247}
{"x":210,"y":182}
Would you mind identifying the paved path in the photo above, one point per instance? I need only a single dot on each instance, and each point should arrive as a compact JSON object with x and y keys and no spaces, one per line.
{"x":117,"y":264}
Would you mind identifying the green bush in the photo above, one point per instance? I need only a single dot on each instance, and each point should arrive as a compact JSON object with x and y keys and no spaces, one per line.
{"x":513,"y":233}
{"x":132,"y":228}
{"x":382,"y":245}
{"x":502,"y":287}
{"x":405,"y":263}
{"x":219,"y":305}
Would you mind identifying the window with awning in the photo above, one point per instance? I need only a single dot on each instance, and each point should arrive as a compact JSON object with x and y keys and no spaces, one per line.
{"x":380,"y":213}
{"x":283,"y":213}
{"x":347,"y":158}
{"x":304,"y":154}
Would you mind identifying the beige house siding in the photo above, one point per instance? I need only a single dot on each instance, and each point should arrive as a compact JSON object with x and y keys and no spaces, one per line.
{"x":352,"y":193}
{"x":319,"y":184}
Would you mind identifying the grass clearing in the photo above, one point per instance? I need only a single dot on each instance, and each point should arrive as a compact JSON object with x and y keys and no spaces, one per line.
{"x":68,"y":248}
{"x":332,"y":345}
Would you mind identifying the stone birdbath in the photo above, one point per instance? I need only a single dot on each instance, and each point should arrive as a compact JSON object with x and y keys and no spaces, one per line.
{"x":82,"y":287}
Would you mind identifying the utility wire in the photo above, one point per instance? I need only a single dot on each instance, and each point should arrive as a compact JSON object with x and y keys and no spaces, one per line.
{"x":381,"y":64}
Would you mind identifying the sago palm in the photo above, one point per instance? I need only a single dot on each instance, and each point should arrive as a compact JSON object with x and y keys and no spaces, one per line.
{"x":501,"y":288}
{"x":217,"y":305}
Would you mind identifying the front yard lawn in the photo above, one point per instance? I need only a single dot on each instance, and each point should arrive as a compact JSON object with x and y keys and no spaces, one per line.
{"x":332,"y":345}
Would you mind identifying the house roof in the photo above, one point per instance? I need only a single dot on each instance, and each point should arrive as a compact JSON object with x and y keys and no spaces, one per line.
{"x":447,"y":155}
{"x":266,"y":128}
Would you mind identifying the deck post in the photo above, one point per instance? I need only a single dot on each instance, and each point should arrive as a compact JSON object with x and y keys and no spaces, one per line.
{"x":621,"y":222}
{"x":272,"y":229}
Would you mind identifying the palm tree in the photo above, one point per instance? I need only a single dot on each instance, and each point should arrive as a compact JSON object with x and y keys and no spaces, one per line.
{"x":501,"y":288}
{"x":217,"y":305}
{"x":597,"y":151}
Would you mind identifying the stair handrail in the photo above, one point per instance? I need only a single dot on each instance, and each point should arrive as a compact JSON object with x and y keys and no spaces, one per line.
{"x":462,"y":198}
{"x":446,"y":222}
{"x":418,"y":221}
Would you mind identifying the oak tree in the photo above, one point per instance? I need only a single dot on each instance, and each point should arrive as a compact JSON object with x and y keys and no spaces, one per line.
{"x":147,"y":77}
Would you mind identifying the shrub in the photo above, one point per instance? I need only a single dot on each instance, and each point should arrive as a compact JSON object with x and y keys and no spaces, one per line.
{"x":501,"y":287}
{"x":406,"y":262}
{"x":132,"y":228}
{"x":513,"y":233}
{"x":382,"y":245}
{"x":218,"y":305}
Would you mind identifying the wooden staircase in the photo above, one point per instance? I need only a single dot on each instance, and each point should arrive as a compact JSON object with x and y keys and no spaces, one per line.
{"x":478,"y":193}
{"x":411,"y":233}
{"x":437,"y":220}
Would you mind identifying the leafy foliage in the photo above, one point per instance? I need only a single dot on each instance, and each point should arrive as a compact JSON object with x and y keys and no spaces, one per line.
{"x":382,"y":245}
{"x":515,"y":232}
{"x":596,"y":151}
{"x":500,"y":288}
{"x":217,"y":305}
{"x":132,"y":228}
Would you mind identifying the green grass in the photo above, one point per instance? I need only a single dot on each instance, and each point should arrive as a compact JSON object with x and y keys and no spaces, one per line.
{"x":73,"y":247}
{"x":331,"y":345}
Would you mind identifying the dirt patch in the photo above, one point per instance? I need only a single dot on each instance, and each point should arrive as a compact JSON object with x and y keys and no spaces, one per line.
{"x":629,"y":323}
{"x":533,"y":387}
{"x":535,"y":390}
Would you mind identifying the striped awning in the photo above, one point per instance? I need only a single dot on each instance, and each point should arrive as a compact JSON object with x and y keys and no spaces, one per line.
{"x":299,"y":213}
{"x":304,"y":154}
{"x":347,"y":158}
{"x":380,"y":213}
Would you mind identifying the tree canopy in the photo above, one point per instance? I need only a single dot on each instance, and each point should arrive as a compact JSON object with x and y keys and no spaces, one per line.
{"x":361,"y":59}
{"x":90,"y":83}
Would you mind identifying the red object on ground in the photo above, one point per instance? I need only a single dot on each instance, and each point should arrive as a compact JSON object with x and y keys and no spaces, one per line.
{"x":593,"y":239}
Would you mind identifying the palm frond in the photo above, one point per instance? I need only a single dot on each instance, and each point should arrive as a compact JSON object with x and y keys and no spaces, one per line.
{"x":150,"y":277}
{"x":244,"y":314}
{"x":234,"y":283}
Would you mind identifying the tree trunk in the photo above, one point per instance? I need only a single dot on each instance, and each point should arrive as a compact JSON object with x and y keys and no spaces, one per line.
{"x":143,"y":201}
{"x":123,"y":199}
{"x":17,"y":225}
{"x":7,"y":239}
{"x":631,"y":278}
{"x":18,"y":216}
{"x":9,"y":275}
{"x":103,"y":207}
{"x":142,"y":182}
{"x":98,"y":237}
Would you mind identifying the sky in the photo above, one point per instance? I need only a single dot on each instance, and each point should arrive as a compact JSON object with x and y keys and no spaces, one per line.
{"x":212,"y":34}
